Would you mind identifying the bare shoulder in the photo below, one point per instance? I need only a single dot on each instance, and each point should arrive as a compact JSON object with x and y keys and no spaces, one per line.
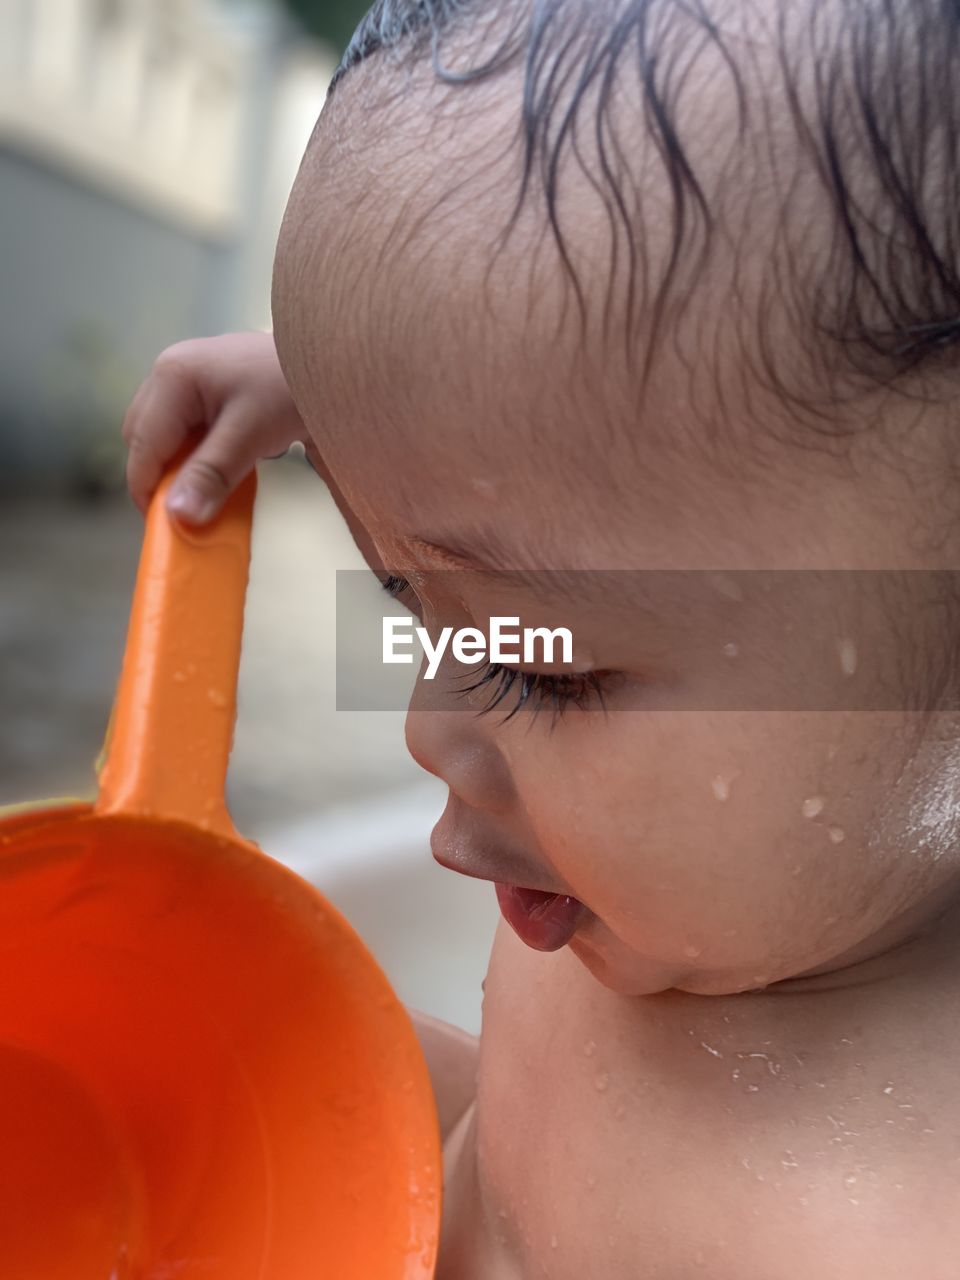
{"x":452,"y":1056}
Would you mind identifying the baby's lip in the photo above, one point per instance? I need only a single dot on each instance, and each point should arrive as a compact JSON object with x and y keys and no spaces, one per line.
{"x":465,"y":840}
{"x":470,"y":861}
{"x":544,"y":921}
{"x":541,"y":914}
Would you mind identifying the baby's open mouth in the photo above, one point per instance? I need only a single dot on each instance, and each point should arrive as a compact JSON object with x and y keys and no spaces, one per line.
{"x":544,"y":921}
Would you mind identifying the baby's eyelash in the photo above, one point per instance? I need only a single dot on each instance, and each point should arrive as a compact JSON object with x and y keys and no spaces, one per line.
{"x":395,"y":586}
{"x":535,"y":691}
{"x":400,"y":589}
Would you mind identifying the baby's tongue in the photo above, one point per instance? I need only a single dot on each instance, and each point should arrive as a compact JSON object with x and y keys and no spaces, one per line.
{"x":544,"y":921}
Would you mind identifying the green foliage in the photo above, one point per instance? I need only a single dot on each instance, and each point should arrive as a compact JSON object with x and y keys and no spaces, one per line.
{"x":334,"y":20}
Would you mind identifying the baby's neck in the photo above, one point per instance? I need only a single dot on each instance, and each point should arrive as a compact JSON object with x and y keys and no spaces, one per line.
{"x":924,"y":940}
{"x":816,"y":1018}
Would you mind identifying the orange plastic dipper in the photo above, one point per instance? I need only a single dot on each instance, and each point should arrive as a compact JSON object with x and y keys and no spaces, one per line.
{"x":203,"y":1073}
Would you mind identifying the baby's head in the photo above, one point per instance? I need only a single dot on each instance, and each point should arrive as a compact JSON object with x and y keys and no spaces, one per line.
{"x":642,"y":285}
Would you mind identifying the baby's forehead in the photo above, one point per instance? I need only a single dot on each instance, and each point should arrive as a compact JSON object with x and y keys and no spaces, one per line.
{"x":452,"y":404}
{"x":799,"y":141}
{"x":538,"y":309}
{"x":567,"y":213}
{"x":586,"y":287}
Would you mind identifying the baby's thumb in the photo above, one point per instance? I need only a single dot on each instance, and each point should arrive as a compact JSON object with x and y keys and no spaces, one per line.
{"x":212,"y":472}
{"x":198,"y":492}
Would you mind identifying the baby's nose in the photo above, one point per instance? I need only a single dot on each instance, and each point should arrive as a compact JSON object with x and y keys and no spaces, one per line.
{"x":453,"y":746}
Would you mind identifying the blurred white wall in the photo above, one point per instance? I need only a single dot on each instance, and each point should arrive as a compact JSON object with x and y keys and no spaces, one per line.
{"x":142,"y":99}
{"x":146,"y":151}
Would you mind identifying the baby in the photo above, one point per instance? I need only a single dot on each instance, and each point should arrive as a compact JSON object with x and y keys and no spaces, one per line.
{"x":612,"y":288}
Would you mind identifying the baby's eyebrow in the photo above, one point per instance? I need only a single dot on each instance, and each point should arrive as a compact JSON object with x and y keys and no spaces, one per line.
{"x":484,"y":552}
{"x":487,"y":555}
{"x":643,"y":594}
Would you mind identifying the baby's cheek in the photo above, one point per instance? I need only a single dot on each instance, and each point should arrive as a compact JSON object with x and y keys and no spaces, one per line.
{"x":729,"y":847}
{"x":656,"y":801}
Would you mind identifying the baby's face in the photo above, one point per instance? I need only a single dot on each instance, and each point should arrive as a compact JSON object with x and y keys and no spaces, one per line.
{"x":713,"y":850}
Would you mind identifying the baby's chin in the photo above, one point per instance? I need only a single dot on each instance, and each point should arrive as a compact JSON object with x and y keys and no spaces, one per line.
{"x":626,"y":971}
{"x":617,"y":967}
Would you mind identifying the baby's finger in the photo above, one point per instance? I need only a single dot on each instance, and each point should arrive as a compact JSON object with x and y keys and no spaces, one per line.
{"x":228,"y":452}
{"x":160,"y":418}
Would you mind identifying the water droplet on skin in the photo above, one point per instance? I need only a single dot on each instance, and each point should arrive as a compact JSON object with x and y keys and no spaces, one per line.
{"x":837,"y":834}
{"x":753,"y":1088}
{"x":554,"y":1242}
{"x":692,"y":952}
{"x":482,"y":487}
{"x":726,"y":586}
{"x":590,"y":1048}
{"x":812,"y":807}
{"x":720,"y":788}
{"x":847,"y":650}
{"x":216,"y":698}
{"x":179,"y":677}
{"x":620,"y":1111}
{"x":710,"y":1049}
{"x":888,"y":1088}
{"x":731,"y":650}
{"x":591,"y":1180}
{"x":611,"y":1241}
{"x":722,"y":783}
{"x":601,"y":1082}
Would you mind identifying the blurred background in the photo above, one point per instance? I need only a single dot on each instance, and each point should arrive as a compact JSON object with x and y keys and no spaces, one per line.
{"x":147,"y":148}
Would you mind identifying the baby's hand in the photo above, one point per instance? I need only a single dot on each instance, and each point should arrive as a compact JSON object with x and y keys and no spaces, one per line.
{"x":230,"y":394}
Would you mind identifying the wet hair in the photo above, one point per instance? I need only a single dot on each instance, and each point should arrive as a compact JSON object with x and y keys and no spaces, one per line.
{"x":871,"y":89}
